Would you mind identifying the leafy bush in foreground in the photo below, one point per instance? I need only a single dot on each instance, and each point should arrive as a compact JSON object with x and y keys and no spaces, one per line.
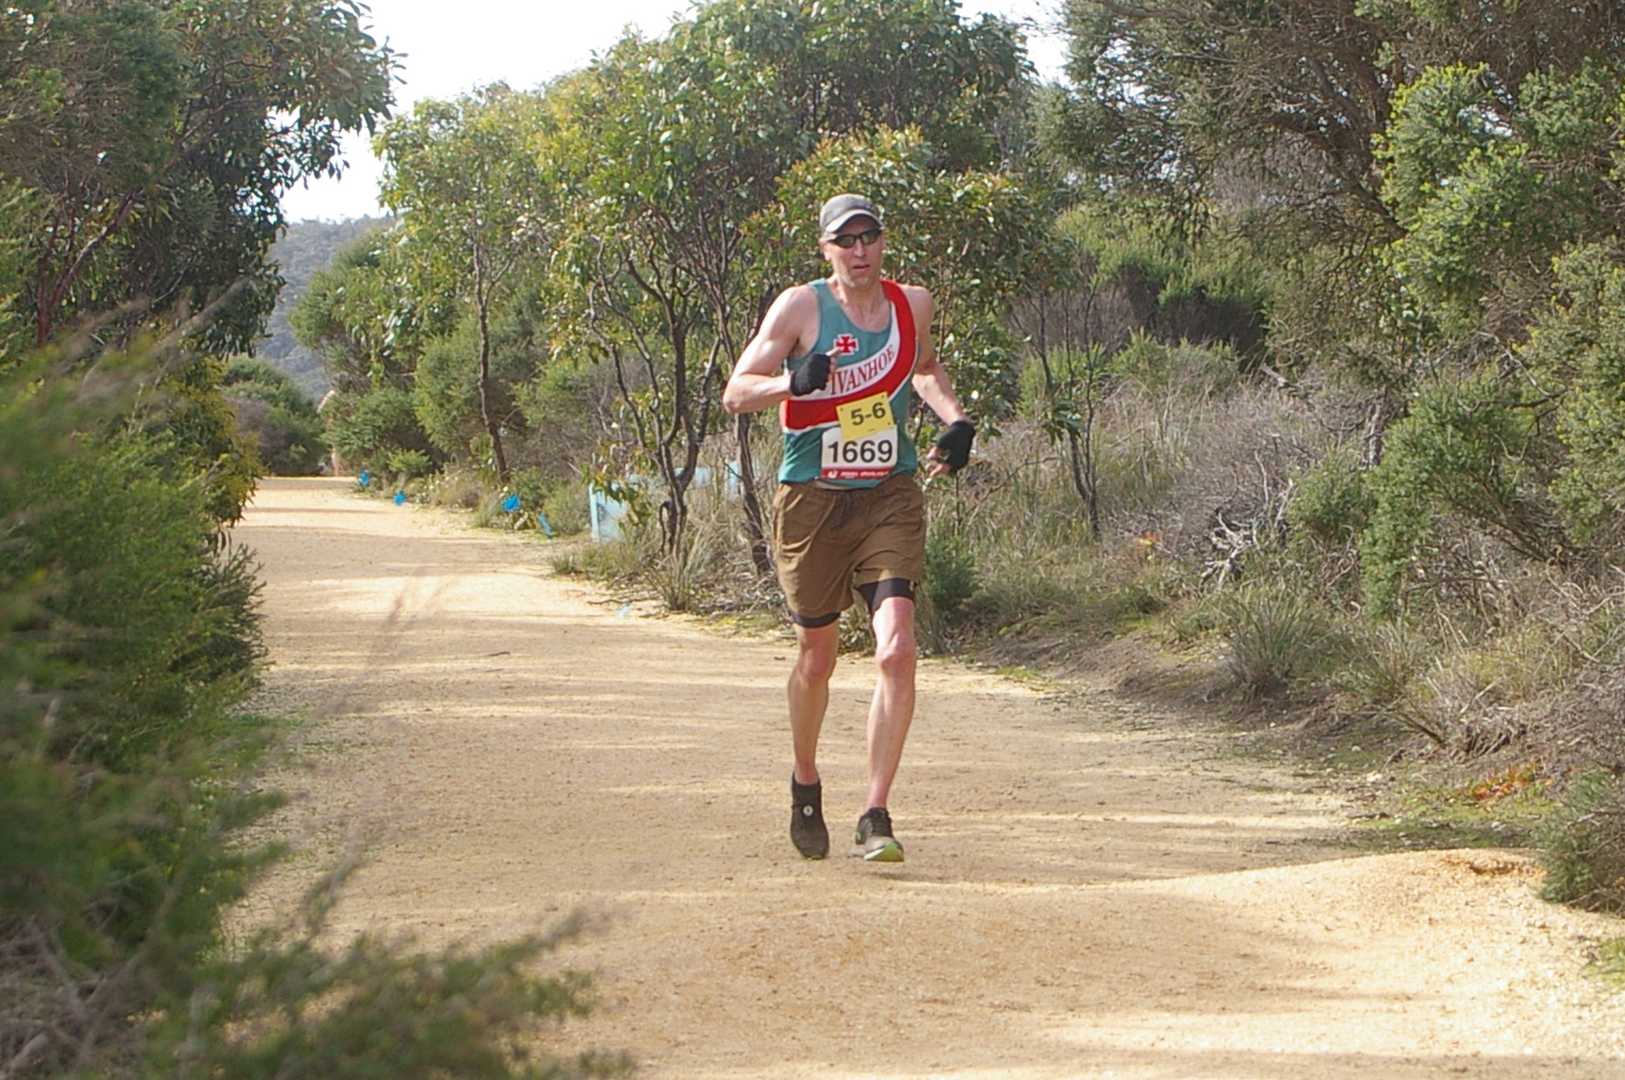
{"x":128,"y":641}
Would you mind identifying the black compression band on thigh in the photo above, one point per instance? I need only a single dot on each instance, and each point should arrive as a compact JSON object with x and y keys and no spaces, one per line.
{"x":813,"y":622}
{"x":876,"y":591}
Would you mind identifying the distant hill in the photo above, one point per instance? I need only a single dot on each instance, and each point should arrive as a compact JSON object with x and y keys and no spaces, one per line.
{"x":307,"y":246}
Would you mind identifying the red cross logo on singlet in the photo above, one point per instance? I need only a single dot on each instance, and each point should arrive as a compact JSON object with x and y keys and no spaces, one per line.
{"x":845,"y":345}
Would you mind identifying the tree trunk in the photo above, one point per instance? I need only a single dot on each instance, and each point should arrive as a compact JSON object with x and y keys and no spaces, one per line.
{"x":673,"y":516}
{"x":1083,"y":478}
{"x":482,"y":303}
{"x":1376,"y":429}
{"x":761,"y":553}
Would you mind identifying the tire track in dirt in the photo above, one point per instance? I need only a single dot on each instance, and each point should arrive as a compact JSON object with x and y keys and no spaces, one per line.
{"x":1094,"y":889}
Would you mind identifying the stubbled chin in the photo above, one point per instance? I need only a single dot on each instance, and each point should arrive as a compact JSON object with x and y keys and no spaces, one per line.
{"x":855,"y":276}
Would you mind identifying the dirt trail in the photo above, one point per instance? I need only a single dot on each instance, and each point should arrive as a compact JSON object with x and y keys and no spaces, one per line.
{"x":1093,"y":888}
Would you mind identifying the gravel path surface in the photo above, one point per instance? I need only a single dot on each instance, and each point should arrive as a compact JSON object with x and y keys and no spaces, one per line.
{"x":1094,"y":887}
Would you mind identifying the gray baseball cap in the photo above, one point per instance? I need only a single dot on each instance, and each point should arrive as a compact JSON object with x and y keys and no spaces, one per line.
{"x":842,"y":209}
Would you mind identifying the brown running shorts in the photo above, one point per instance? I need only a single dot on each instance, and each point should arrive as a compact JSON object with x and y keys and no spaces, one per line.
{"x":828,"y":542}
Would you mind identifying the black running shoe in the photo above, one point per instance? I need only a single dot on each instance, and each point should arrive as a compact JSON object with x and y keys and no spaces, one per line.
{"x":874,"y":840}
{"x":807,"y":829}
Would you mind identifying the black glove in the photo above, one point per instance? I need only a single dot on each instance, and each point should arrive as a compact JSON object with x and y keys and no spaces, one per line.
{"x":954,"y":444}
{"x":809,"y":375}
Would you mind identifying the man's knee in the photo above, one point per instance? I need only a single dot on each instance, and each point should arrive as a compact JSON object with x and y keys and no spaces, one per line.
{"x":896,"y":654}
{"x":815,"y":660}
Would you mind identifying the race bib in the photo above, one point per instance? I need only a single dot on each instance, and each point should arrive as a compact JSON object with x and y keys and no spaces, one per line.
{"x":868,"y":458}
{"x":865,"y":417}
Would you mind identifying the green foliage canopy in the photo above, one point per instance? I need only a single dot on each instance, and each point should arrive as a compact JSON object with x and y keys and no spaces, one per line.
{"x":157,"y":136}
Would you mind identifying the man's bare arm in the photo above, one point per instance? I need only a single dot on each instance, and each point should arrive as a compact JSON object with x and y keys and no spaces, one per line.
{"x":931,"y":380}
{"x":759,"y":380}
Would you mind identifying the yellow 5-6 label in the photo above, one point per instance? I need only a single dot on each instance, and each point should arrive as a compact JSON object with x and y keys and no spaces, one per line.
{"x":862,"y":418}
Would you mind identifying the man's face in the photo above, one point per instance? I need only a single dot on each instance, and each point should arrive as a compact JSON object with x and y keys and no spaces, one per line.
{"x":858,"y":264}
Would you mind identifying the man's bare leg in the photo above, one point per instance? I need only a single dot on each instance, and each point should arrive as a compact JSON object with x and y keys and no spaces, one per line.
{"x":808,"y":693}
{"x":892,"y":709}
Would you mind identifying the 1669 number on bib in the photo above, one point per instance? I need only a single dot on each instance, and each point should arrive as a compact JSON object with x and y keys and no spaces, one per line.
{"x":868,"y":458}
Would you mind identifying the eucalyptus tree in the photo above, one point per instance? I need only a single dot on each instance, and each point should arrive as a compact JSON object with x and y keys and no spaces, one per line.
{"x":661,"y":161}
{"x":144,"y":145}
{"x":359,"y":317}
{"x":155,"y":138}
{"x":465,"y":178}
{"x":1279,"y":102}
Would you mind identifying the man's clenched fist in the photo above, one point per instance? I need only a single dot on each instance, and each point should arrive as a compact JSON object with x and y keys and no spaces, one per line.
{"x":953,"y":446}
{"x":809,"y":375}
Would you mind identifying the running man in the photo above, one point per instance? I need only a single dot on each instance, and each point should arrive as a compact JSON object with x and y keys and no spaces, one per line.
{"x":842,"y":358}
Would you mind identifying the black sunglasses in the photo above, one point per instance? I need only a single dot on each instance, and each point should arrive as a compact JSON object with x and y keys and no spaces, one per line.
{"x":846,"y":240}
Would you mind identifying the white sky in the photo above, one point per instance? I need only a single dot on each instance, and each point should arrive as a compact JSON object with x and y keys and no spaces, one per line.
{"x":450,"y":48}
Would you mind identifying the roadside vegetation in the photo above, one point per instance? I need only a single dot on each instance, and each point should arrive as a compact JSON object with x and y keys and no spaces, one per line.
{"x":138,"y":191}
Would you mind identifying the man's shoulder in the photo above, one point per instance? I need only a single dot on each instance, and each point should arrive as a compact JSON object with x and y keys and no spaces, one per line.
{"x":796,"y":300}
{"x":798,"y":296}
{"x":793,"y":314}
{"x":918,"y":296}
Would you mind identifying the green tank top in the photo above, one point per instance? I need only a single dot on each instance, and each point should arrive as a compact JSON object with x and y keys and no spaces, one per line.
{"x":854,"y":432}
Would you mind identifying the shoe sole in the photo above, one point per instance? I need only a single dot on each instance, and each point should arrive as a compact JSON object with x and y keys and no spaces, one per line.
{"x":889,"y":852}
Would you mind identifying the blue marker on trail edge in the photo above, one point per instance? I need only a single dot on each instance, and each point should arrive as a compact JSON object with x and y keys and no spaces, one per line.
{"x":511,"y":503}
{"x":400,"y":497}
{"x":542,"y":524}
{"x":364,"y":479}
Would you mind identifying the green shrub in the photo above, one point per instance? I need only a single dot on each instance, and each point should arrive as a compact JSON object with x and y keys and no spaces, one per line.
{"x":127,"y":638}
{"x":565,"y":504}
{"x":1578,"y":347}
{"x":563,"y":408}
{"x":288,"y":1005}
{"x":365,"y":429}
{"x":950,"y":571}
{"x":406,"y":465}
{"x":1330,"y":502}
{"x":1278,"y":639}
{"x":1582,"y":845}
{"x":127,"y":632}
{"x":540,"y":493}
{"x":287,"y":443}
{"x":619,"y":560}
{"x":457,"y":487}
{"x":1191,"y":372}
{"x":1196,"y":619}
{"x":1469,"y":449}
{"x":276,"y":416}
{"x":445,"y":388}
{"x":144,"y":614}
{"x":1073,"y":374}
{"x":193,"y":434}
{"x":678,"y":575}
{"x":489,"y":514}
{"x":1382,"y":664}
